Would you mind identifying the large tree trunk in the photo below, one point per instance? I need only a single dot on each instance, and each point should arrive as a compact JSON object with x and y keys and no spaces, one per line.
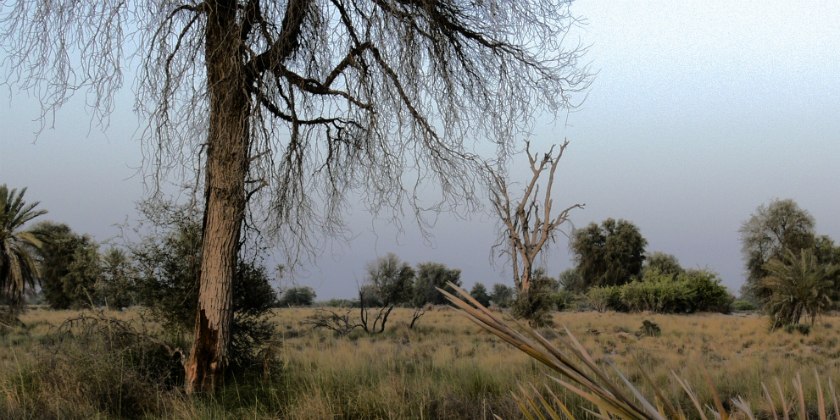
{"x":227,"y":166}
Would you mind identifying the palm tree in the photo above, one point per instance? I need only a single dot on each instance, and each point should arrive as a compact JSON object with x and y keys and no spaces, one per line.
{"x":17,"y":265}
{"x":799,"y":285}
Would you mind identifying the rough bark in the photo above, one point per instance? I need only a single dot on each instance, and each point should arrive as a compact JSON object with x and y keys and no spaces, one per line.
{"x":226,"y":169}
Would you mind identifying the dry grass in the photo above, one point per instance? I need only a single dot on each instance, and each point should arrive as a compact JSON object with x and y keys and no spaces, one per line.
{"x":447,"y":367}
{"x":737,"y":352}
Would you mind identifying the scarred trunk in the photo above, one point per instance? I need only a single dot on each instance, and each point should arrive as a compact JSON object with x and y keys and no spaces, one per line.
{"x":525,"y":281}
{"x":227,"y":166}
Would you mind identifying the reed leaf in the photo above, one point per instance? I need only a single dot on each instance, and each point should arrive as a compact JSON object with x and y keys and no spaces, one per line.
{"x":611,"y":393}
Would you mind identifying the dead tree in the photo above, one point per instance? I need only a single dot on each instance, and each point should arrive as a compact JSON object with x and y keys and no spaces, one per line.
{"x":340,"y":324}
{"x":418,"y":313}
{"x":526,"y":227}
{"x":377,"y":324}
{"x":372,"y":319}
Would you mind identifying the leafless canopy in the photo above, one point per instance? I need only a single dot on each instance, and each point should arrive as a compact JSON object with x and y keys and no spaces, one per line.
{"x":369,"y":95}
{"x":527,"y":228}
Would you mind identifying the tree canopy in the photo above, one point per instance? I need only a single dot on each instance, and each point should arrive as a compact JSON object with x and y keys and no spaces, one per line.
{"x":431,"y":276}
{"x":391,"y":280}
{"x":662,"y":263}
{"x":297,"y":296}
{"x":773,"y":230}
{"x":479,"y":292}
{"x":69,"y":266}
{"x":502,"y":295}
{"x":608,"y":254}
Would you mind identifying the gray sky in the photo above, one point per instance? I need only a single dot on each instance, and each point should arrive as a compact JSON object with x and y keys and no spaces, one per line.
{"x":700,"y":112}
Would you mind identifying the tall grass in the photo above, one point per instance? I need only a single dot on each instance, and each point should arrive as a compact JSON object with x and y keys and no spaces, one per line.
{"x":446,"y":367}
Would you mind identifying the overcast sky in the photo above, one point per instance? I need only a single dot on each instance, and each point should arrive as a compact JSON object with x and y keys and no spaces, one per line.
{"x":700,"y":112}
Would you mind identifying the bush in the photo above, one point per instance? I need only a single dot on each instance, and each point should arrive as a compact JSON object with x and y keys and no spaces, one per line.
{"x":562,"y":299}
{"x":168,"y":286}
{"x":502,"y":296}
{"x":253,"y":298}
{"x":479,"y":293}
{"x":69,"y":266}
{"x":539,"y":303}
{"x":605,"y":298}
{"x":535,"y":307}
{"x":710,"y":294}
{"x":339,"y":303}
{"x":390,"y":280}
{"x":297,"y":296}
{"x":743,"y":305}
{"x":117,"y":285}
{"x":686,"y":292}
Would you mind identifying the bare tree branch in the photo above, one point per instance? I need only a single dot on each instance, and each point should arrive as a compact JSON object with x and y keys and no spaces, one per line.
{"x":526,"y":229}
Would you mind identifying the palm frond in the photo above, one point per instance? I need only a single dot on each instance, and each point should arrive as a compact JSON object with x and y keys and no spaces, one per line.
{"x":18,"y":269}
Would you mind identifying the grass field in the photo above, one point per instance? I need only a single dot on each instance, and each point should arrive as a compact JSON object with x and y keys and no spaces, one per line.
{"x":444,"y":368}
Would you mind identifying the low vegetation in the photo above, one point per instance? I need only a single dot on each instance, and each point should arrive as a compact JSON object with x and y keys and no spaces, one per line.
{"x":685,"y":292}
{"x":446,"y":367}
{"x":612,"y":395}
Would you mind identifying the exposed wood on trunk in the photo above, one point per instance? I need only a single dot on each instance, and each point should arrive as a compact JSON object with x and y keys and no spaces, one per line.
{"x":527,"y":228}
{"x":226,"y":169}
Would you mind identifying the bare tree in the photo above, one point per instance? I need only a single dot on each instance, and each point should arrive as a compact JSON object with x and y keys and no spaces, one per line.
{"x":340,"y":324}
{"x":377,"y":325}
{"x":282,"y":107}
{"x":527,"y":228}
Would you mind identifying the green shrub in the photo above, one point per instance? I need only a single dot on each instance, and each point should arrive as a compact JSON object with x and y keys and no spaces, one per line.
{"x":657,"y":295}
{"x":709,"y":294}
{"x":297,"y":296}
{"x":743,"y":305}
{"x":479,"y":292}
{"x":428,"y":277}
{"x":605,"y":298}
{"x":685,"y":292}
{"x":502,"y":296}
{"x":563,"y":299}
{"x":170,"y":266}
{"x":538,"y":304}
{"x":534,"y":306}
{"x":339,"y":303}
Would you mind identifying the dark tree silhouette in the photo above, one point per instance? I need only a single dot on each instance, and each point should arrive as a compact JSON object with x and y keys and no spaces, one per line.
{"x":608,"y":254}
